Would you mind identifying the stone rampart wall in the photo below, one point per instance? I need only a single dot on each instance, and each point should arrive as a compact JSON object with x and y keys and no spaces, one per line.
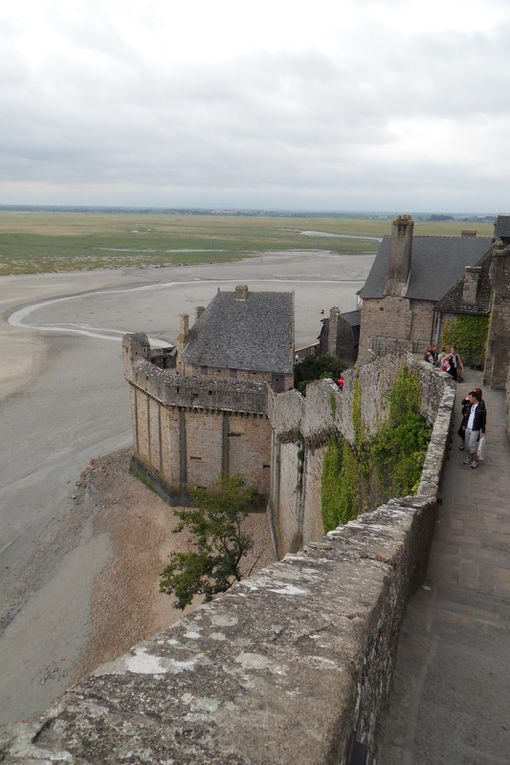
{"x":497,"y":361}
{"x":188,"y":431}
{"x":172,"y":389}
{"x":293,"y":665}
{"x":507,"y":390}
{"x":304,"y":426}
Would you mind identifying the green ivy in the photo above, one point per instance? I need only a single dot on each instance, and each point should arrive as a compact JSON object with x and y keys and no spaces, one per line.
{"x":469,"y":335}
{"x":340,"y":481}
{"x":360,"y":477}
{"x":357,"y":415}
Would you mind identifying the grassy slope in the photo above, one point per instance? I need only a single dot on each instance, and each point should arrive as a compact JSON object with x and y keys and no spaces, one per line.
{"x":33,"y":242}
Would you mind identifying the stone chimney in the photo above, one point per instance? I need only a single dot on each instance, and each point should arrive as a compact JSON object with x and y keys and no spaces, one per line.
{"x":199,"y":311}
{"x":334,"y":314}
{"x":241,"y":292}
{"x":400,"y":255}
{"x":183,"y":333}
{"x":471,"y":280}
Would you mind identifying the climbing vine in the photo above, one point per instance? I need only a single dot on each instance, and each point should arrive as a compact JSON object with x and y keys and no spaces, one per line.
{"x":340,"y":481}
{"x":357,"y":417}
{"x":357,"y":478}
{"x":469,"y":335}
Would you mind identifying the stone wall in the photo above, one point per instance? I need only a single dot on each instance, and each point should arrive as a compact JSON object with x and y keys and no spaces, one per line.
{"x":292,"y":665}
{"x":508,"y":404}
{"x":188,"y":431}
{"x":279,"y":381}
{"x":497,"y":363}
{"x":387,"y":317}
{"x":303,"y":427}
{"x":395,"y":318}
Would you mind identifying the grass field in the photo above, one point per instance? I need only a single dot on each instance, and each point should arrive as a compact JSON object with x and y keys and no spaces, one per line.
{"x":34,"y":242}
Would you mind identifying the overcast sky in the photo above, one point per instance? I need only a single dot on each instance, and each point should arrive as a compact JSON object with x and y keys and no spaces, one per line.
{"x":324,"y":105}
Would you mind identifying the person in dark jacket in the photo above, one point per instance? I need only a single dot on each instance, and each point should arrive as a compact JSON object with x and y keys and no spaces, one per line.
{"x":466,"y":406}
{"x":475,"y":427}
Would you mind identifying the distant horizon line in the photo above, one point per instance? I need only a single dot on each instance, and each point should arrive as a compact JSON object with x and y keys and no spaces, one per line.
{"x":249,"y":211}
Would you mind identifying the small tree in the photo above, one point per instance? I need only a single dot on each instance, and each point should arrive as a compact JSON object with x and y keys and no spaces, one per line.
{"x":315,"y":368}
{"x":215,"y":525}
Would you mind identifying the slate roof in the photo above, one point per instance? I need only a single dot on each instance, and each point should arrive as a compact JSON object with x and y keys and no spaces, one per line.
{"x":452,"y":301}
{"x":255,"y":334}
{"x":437,"y":264}
{"x":502,"y":227}
{"x":352,"y":317}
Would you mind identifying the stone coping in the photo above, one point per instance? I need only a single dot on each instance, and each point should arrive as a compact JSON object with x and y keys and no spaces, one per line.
{"x":292,"y":665}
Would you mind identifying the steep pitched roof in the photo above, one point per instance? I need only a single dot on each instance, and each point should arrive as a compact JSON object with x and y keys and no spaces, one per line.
{"x":502,"y":227}
{"x":452,"y":301}
{"x":352,"y":317}
{"x":255,"y":334}
{"x":437,"y":263}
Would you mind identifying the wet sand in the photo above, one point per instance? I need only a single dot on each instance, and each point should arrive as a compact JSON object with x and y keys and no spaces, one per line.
{"x":63,"y":402}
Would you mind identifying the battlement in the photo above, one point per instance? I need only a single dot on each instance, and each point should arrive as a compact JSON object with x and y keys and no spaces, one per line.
{"x":208,"y":393}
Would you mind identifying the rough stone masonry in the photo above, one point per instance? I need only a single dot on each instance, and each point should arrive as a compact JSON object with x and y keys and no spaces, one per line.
{"x":292,"y":665}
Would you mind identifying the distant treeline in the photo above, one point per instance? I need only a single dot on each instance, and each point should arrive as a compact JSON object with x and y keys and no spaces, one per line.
{"x":235,"y":212}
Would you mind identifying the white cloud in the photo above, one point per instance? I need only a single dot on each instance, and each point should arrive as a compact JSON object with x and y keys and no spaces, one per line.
{"x":341,"y":105}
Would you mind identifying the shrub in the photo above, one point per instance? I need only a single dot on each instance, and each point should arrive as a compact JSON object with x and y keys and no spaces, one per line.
{"x":219,"y":544}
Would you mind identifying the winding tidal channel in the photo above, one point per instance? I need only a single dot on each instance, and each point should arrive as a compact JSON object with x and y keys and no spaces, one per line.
{"x":67,"y":404}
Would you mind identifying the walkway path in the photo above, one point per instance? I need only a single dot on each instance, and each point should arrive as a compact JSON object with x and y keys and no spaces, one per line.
{"x":450,"y":701}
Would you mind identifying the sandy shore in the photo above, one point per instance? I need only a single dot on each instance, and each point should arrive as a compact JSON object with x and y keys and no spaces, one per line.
{"x":127,"y":606}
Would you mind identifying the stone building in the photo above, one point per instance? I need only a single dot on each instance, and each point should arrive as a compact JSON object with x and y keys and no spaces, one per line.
{"x":208,"y":415}
{"x":471,"y":296}
{"x":408,"y":278}
{"x":339,"y":335}
{"x":241,"y":334}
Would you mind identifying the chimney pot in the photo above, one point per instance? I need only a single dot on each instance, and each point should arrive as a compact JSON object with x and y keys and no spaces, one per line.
{"x":241,"y":292}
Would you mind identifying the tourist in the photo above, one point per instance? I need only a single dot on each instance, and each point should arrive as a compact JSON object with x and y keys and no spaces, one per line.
{"x":475,"y":428}
{"x":466,"y":406}
{"x":341,"y":382}
{"x":428,"y":356}
{"x":456,"y":369}
{"x":445,"y":362}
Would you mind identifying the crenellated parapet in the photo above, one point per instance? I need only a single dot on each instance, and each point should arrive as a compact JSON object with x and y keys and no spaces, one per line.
{"x":189,"y":430}
{"x":207,"y":393}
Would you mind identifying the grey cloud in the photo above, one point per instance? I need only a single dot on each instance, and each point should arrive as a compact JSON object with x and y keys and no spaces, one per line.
{"x":274,"y":127}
